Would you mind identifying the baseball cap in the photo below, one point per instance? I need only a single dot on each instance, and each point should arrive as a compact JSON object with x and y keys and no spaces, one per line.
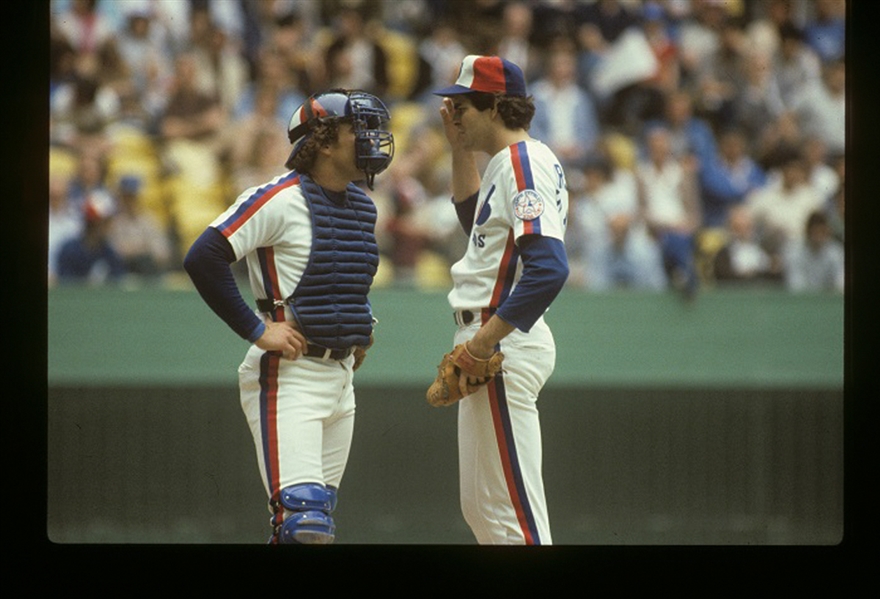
{"x":99,"y":205}
{"x":491,"y":74}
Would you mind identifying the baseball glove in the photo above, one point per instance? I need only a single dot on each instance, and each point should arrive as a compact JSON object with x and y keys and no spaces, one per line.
{"x":459,"y":367}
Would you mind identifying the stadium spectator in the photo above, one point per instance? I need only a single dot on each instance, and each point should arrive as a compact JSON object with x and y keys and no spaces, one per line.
{"x":289,"y":36}
{"x":565,"y":115}
{"x":835,"y":211}
{"x":136,"y":235}
{"x":84,"y":103}
{"x":85,"y":26}
{"x":815,"y":263}
{"x":720,"y":75}
{"x":757,"y":104}
{"x":782,"y":206}
{"x":821,"y":108}
{"x":692,"y":137}
{"x":610,"y":17}
{"x":354,"y":59}
{"x":145,"y":50}
{"x":742,"y":260}
{"x":190,"y":127}
{"x":825,"y":30}
{"x":820,"y":174}
{"x":661,"y":38}
{"x":190,"y":115}
{"x":90,"y":92}
{"x":255,"y":145}
{"x":439,"y":57}
{"x":726,"y":179}
{"x":271,"y":72}
{"x":609,"y":247}
{"x":795,"y":66}
{"x":762,"y":31}
{"x":65,"y":222}
{"x":670,"y":208}
{"x":89,"y":258}
{"x":631,"y":76}
{"x":516,"y":38}
{"x":479,"y":22}
{"x":221,"y":70}
{"x":90,"y":176}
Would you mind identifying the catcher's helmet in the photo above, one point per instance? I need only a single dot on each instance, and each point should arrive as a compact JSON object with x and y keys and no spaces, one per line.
{"x":374,"y":144}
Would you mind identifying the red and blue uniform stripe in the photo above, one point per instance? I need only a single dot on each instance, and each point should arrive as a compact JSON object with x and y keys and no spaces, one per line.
{"x":256,"y":201}
{"x":506,"y":441}
{"x":522,"y":171}
{"x":269,"y":364}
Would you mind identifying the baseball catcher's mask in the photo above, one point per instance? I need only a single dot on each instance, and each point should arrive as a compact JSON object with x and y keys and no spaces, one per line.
{"x":374,"y":144}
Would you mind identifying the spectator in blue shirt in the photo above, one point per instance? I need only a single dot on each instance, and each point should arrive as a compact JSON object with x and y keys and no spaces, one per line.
{"x":825,"y":32}
{"x":90,"y":258}
{"x":727,"y":178}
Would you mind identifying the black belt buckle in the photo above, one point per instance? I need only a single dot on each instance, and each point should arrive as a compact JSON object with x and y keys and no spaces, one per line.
{"x":464,"y":317}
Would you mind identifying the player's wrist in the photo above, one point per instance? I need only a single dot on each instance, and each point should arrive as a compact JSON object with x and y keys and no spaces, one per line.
{"x":479,"y":350}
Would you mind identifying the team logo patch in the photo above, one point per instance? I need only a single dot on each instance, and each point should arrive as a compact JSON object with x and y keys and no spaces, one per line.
{"x":528,"y":205}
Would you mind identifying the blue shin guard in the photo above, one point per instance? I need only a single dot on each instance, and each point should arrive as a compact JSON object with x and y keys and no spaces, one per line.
{"x":308,"y":519}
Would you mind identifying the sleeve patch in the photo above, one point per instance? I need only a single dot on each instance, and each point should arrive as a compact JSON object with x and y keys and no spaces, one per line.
{"x":528,"y":205}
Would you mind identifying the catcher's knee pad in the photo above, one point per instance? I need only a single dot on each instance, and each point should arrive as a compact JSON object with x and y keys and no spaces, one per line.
{"x":309,"y":521}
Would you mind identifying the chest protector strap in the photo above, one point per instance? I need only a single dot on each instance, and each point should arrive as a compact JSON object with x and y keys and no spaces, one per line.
{"x":330,"y":302}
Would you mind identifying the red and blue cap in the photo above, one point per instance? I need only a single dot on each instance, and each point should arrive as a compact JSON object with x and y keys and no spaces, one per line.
{"x":490,"y":74}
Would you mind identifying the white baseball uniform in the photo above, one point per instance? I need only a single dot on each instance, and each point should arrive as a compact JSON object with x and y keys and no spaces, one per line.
{"x":300,"y":412}
{"x":523,"y":192}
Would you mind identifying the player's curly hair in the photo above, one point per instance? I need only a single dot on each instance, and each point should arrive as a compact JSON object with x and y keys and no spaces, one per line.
{"x":516,"y":112}
{"x":321,"y":136}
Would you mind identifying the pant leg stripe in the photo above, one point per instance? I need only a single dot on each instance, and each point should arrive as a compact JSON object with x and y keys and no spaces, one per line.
{"x":510,"y":461}
{"x":268,"y":419}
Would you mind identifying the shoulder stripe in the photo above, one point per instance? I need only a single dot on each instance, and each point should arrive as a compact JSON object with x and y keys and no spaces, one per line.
{"x":522,"y":167}
{"x":256,"y":201}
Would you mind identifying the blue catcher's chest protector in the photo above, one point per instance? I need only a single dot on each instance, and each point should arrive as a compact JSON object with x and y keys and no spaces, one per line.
{"x":330,"y":302}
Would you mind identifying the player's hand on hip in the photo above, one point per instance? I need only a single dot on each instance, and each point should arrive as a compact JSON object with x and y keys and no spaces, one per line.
{"x":283,"y":337}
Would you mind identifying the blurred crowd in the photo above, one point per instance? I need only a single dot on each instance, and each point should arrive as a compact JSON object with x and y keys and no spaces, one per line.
{"x":703,"y":140}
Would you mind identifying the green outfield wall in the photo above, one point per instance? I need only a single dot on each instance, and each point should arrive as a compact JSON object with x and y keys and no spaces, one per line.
{"x":719,"y":422}
{"x":741,"y":339}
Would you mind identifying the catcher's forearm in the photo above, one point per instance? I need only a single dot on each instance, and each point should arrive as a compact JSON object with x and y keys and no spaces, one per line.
{"x":490,"y":334}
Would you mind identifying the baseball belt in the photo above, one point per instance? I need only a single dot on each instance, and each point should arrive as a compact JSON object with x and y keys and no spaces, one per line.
{"x":465,"y":317}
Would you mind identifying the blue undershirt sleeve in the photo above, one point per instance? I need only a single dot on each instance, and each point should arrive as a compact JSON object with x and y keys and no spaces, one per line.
{"x":465,"y":211}
{"x":545,"y":270}
{"x":208,"y":265}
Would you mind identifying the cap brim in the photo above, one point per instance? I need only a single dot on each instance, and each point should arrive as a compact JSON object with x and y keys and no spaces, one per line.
{"x":454,"y":90}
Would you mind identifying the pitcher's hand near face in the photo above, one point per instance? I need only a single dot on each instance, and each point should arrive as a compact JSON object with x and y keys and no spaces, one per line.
{"x":450,"y":127}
